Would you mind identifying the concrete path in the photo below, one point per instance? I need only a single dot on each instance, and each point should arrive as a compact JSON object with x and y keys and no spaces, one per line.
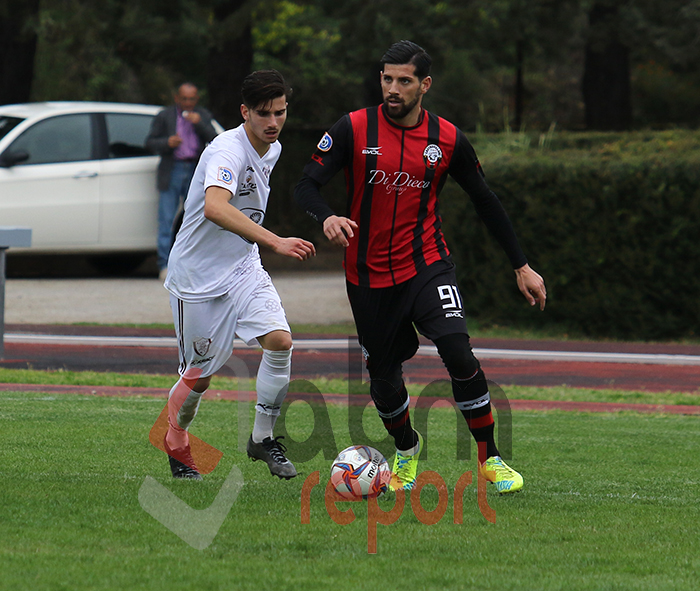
{"x":308,"y":298}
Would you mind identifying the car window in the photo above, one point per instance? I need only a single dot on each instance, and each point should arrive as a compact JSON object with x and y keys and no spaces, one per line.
{"x":127,"y":134}
{"x":7,"y":124}
{"x":65,"y":138}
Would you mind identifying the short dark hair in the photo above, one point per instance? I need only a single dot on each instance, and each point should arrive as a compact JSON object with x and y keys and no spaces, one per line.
{"x":407,"y":52}
{"x":262,"y":87}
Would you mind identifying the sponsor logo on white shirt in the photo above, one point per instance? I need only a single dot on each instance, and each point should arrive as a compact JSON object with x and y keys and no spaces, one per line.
{"x":225,"y":175}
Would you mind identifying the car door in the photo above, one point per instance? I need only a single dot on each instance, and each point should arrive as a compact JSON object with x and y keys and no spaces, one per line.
{"x":54,"y":190}
{"x":129,"y":198}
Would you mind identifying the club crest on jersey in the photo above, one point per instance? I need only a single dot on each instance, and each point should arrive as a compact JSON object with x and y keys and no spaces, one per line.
{"x":432,"y":155}
{"x":225,"y":175}
{"x":255,"y":215}
{"x":201,"y":346}
{"x":326,"y":142}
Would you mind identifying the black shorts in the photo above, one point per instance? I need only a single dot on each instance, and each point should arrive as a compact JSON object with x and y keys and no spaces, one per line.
{"x":385,"y":317}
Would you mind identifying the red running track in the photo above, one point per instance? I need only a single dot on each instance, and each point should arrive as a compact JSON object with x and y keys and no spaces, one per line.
{"x":309,"y":364}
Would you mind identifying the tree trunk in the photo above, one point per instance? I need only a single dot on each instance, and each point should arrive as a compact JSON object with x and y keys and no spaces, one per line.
{"x":230,"y":60}
{"x":607,"y":90}
{"x":519,"y":83}
{"x":17,"y":49}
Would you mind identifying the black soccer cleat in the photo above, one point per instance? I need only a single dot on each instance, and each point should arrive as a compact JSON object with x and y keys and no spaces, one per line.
{"x":181,"y":463}
{"x":271,"y":451}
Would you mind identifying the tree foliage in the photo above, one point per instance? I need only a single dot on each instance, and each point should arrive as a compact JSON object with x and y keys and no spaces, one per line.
{"x":497,"y":63}
{"x":18,"y":41}
{"x":300,"y":41}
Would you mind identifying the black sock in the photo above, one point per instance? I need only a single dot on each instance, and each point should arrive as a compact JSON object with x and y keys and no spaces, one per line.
{"x":392,"y":405}
{"x":472,"y":396}
{"x":404,"y":435}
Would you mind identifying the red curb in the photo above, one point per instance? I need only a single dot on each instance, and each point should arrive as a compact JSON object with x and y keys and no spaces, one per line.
{"x":359,"y":400}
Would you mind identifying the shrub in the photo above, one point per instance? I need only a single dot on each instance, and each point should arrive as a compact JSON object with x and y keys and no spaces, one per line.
{"x":612,"y":228}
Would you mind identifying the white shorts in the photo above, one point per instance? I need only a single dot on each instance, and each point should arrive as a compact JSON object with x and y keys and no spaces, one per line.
{"x":206,"y":330}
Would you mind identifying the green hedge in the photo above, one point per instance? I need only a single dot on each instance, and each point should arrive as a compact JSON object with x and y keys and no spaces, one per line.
{"x":614,"y":229}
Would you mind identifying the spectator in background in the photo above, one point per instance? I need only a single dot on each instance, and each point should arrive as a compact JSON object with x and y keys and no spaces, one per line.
{"x":178,"y":134}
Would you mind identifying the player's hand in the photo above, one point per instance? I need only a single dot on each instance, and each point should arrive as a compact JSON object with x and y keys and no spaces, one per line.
{"x":531,"y":285}
{"x":174,"y":141}
{"x":339,"y":230}
{"x":295,"y":248}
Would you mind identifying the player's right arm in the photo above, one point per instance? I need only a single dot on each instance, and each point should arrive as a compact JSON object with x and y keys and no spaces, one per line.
{"x":331,"y":155}
{"x":339,"y":230}
{"x":336,"y":228}
{"x":218,"y":210}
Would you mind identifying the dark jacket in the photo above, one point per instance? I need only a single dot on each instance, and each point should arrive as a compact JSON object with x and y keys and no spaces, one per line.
{"x":163,"y":126}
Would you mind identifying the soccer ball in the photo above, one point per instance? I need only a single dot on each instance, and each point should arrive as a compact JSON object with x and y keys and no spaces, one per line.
{"x":360,"y":472}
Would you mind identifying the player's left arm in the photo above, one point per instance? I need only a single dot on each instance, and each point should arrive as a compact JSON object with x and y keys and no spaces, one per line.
{"x":217,"y":209}
{"x":466,"y":170}
{"x":531,"y":285}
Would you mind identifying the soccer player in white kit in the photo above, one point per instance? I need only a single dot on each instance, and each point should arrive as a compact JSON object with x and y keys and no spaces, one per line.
{"x":218,"y":287}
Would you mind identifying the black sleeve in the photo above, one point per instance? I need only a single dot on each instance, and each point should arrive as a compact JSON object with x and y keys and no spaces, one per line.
{"x":307,"y":194}
{"x":466,"y":170}
{"x":332,"y":154}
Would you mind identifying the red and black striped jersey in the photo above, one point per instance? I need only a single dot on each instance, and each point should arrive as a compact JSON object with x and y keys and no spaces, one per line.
{"x":394,"y":176}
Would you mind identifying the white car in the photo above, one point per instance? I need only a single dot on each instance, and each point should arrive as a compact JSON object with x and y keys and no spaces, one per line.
{"x":79,"y":175}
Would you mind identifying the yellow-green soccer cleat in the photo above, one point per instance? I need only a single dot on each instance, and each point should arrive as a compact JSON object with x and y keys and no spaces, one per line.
{"x":502,"y":475}
{"x":403,"y":474}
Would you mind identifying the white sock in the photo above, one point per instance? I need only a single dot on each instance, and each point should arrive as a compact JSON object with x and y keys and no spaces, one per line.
{"x":264,"y":424}
{"x":189,"y":408}
{"x":183,"y":404}
{"x":271,"y":386}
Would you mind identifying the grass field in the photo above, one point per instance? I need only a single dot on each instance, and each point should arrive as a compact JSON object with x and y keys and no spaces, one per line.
{"x":340,"y":386}
{"x":612,"y":501}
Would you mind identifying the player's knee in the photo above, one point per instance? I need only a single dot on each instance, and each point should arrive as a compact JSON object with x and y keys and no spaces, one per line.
{"x":278,"y":340}
{"x":387,"y":385}
{"x":192,"y":380}
{"x":456,"y":353}
{"x":202,"y":384}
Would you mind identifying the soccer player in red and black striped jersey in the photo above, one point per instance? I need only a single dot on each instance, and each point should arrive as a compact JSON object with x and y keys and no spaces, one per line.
{"x":399,"y":272}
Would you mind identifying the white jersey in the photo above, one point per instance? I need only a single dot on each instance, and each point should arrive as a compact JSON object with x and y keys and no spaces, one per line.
{"x":205,"y":258}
